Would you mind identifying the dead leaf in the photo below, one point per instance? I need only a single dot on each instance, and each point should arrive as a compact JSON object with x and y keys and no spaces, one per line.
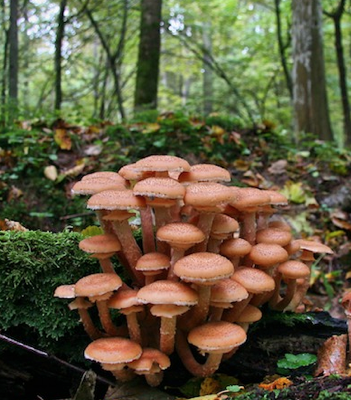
{"x":332,"y":356}
{"x":14,"y":226}
{"x":235,"y":137}
{"x":278,"y":167}
{"x":14,"y":193}
{"x":93,"y":150}
{"x":75,"y":171}
{"x":279,"y":383}
{"x":63,"y":139}
{"x":241,"y":165}
{"x":50,"y":172}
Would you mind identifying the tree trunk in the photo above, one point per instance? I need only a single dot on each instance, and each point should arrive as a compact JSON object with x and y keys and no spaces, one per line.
{"x":145,"y":96}
{"x":336,"y":17}
{"x":60,"y":32}
{"x":309,"y":85}
{"x":208,"y":73}
{"x":13,"y":53}
{"x":4,"y":47}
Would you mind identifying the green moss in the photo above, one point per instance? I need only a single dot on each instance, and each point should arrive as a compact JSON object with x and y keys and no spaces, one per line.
{"x":32,"y":265}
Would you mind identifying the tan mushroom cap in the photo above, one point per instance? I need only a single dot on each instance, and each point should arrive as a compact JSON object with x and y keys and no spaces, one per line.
{"x":130,"y":174}
{"x":294,"y":269}
{"x":180,"y":235}
{"x":274,"y":236}
{"x":167,"y":292}
{"x":116,"y":200}
{"x":228,"y":291}
{"x":203,"y":268}
{"x":279,"y":224}
{"x":115,"y":176}
{"x":80,"y":303}
{"x":118,"y":215}
{"x":205,"y":173}
{"x":254,"y":280}
{"x":277,"y":198}
{"x":223,"y":225}
{"x":207,"y":194}
{"x":148,"y":359}
{"x":266,"y":255}
{"x":217,"y":337}
{"x":159,"y":187}
{"x":237,"y":247}
{"x":162,"y":163}
{"x":123,"y":299}
{"x":97,"y":284}
{"x":249,"y":314}
{"x":65,"y":292}
{"x":113,"y":350}
{"x":96,"y":185}
{"x":105,"y":243}
{"x":153,"y":262}
{"x":250,"y":198}
{"x":312,"y":246}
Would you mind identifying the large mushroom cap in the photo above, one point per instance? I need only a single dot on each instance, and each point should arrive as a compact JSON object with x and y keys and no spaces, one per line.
{"x":159,"y":187}
{"x":153,"y":262}
{"x":96,"y":185}
{"x":228,"y":291}
{"x":205,"y":173}
{"x":266,"y":255}
{"x":167,"y":292}
{"x":273,"y":236}
{"x":203,"y":268}
{"x":294,"y":269}
{"x":97,"y":284}
{"x":217,"y":337}
{"x":113,"y":350}
{"x":250,"y":198}
{"x":115,"y":200}
{"x":207,"y":194}
{"x":237,"y":247}
{"x":254,"y":280}
{"x":161,"y":163}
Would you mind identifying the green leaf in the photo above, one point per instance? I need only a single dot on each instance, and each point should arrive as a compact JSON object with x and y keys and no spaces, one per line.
{"x":292,"y":361}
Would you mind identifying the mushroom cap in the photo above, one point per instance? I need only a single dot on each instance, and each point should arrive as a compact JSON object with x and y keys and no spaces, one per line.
{"x":266,"y":255}
{"x":237,"y":247}
{"x":313,"y":246}
{"x":97,"y":284}
{"x":254,"y":280}
{"x":277,"y":198}
{"x":249,"y":314}
{"x":80,"y":303}
{"x":217,"y":337}
{"x":113,"y":350}
{"x":118,"y":215}
{"x":116,"y":200}
{"x":207,"y":194}
{"x":180,"y":235}
{"x":159,"y":187}
{"x":223,"y":225}
{"x":279,"y":224}
{"x":115,"y":176}
{"x":168,"y":310}
{"x":167,"y":292}
{"x":105,"y":243}
{"x":123,"y":299}
{"x":65,"y":292}
{"x":250,"y":198}
{"x":96,"y":185}
{"x":274,"y":236}
{"x":161,"y":163}
{"x":148,"y":359}
{"x":228,"y":291}
{"x":203,"y":268}
{"x":153,"y":262}
{"x":294,"y":269}
{"x":205,"y":173}
{"x":130,"y":174}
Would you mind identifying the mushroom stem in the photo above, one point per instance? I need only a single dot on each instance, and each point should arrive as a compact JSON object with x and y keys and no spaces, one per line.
{"x":88,"y":324}
{"x":208,"y":368}
{"x":107,"y":266}
{"x":198,"y":314}
{"x":176,"y":254}
{"x":167,"y":334}
{"x":205,"y":225}
{"x":147,"y":230}
{"x":248,"y":228}
{"x":289,"y":294}
{"x":133,"y":327}
{"x":105,"y":319}
{"x":233,"y":313}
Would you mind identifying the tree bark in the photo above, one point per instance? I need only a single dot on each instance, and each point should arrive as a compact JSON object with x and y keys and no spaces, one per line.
{"x":309,"y":84}
{"x":208,"y":73}
{"x":145,"y":96}
{"x":13,"y":52}
{"x":60,"y":32}
{"x":336,"y":17}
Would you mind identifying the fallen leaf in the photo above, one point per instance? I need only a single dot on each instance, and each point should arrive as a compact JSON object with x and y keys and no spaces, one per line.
{"x":63,"y":139}
{"x":15,"y":226}
{"x":50,"y":172}
{"x":332,"y":356}
{"x":279,"y":383}
{"x":278,"y":167}
{"x":14,"y":193}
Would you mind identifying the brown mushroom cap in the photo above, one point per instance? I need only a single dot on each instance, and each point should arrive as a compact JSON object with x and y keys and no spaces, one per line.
{"x":254,"y":280}
{"x":250,"y":314}
{"x":237,"y":247}
{"x":148,"y":359}
{"x":266,"y":255}
{"x":115,"y":200}
{"x":217,"y":337}
{"x":294,"y":269}
{"x":223,"y":225}
{"x":167,"y":292}
{"x":113,"y":350}
{"x":105,"y":243}
{"x":203,"y":268}
{"x":159,"y":187}
{"x":153,"y":262}
{"x":123,"y":299}
{"x":96,"y":185}
{"x":161,"y":163}
{"x":228,"y":291}
{"x":168,"y":310}
{"x":65,"y":292}
{"x":207,"y":194}
{"x":205,"y":173}
{"x":97,"y":284}
{"x":312,"y":246}
{"x":250,"y":198}
{"x":114,"y":176}
{"x":274,"y":236}
{"x":180,"y":235}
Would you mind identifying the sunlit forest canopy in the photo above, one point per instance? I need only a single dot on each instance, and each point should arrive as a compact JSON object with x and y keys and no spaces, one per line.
{"x":269,"y":61}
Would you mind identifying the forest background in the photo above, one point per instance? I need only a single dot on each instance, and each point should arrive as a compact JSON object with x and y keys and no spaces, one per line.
{"x":278,"y":62}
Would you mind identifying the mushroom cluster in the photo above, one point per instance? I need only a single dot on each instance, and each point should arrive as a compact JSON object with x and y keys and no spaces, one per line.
{"x":211,"y":255}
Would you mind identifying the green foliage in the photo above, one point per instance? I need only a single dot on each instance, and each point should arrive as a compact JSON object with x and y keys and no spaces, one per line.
{"x":332,"y":395}
{"x":293,"y":362}
{"x":32,"y":265}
